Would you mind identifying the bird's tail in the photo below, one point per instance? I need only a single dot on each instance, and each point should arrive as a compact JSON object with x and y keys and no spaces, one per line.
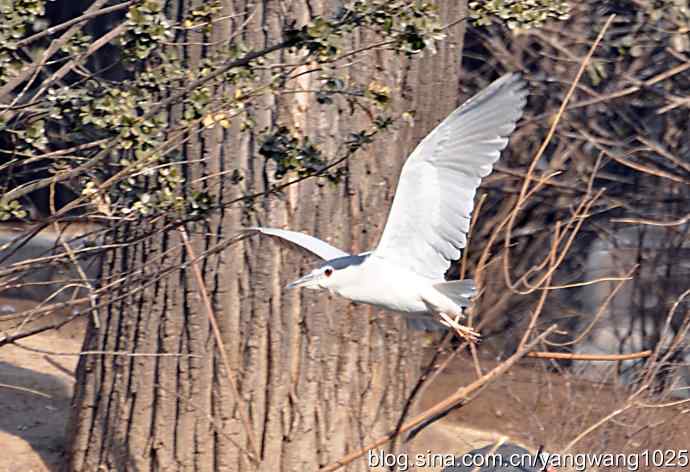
{"x":460,"y":291}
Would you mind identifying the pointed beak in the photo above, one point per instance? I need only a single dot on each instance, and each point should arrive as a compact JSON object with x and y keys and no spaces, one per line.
{"x":301,"y":282}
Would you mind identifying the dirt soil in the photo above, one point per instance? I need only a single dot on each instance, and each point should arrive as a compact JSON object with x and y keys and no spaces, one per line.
{"x":36,"y":380}
{"x":530,"y":405}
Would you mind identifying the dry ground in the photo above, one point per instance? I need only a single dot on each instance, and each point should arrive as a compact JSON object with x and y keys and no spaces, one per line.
{"x":35,"y":393}
{"x":529,"y":405}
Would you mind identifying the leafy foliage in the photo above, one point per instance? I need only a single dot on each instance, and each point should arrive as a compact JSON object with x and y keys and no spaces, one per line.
{"x":11,"y":209}
{"x":109,"y":134}
{"x":518,"y":13}
{"x":18,"y":16}
{"x":118,"y":133}
{"x":291,"y":153}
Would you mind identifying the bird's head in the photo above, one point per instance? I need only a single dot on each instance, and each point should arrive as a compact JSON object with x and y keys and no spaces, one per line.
{"x":331,"y":274}
{"x":319,"y":278}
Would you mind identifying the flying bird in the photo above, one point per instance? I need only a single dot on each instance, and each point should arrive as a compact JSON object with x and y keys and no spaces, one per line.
{"x":428,"y":222}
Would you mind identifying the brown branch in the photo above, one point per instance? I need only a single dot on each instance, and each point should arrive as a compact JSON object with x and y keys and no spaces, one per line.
{"x":635,"y":221}
{"x":542,"y":297}
{"x":659,"y":149}
{"x":524,"y":192}
{"x":622,"y":158}
{"x":142,"y":279}
{"x":253,"y":455}
{"x":75,"y":262}
{"x":589,"y":357}
{"x":24,"y":389}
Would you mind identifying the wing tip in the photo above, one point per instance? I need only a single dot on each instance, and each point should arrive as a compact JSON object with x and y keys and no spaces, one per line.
{"x":510,"y":79}
{"x":513,"y":83}
{"x":262,"y":230}
{"x":510,"y":89}
{"x":249,"y":230}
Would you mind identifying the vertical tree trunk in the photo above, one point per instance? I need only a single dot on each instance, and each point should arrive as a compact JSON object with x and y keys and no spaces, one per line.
{"x":317,"y":376}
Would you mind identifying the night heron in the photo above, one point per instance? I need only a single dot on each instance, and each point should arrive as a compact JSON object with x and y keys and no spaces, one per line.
{"x":430,"y":217}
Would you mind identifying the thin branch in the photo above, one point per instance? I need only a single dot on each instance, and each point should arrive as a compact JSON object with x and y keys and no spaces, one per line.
{"x":37,"y":65}
{"x":16,"y":337}
{"x":244,"y":61}
{"x":596,"y":425}
{"x":633,"y":88}
{"x":598,"y":315}
{"x":589,"y":357}
{"x":80,"y":19}
{"x":545,"y":143}
{"x":254,"y":454}
{"x":635,"y":221}
{"x":104,"y":353}
{"x":95,"y":46}
{"x":24,"y":389}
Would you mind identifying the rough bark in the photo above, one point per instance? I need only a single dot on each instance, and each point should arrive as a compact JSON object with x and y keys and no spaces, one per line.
{"x":317,"y":376}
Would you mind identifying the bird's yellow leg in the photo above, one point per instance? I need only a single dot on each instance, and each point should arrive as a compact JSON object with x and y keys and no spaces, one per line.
{"x":463,"y":331}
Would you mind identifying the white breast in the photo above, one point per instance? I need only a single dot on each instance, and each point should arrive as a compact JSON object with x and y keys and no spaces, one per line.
{"x":380,"y":283}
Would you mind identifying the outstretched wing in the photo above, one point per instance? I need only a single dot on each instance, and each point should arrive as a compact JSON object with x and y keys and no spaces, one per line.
{"x":300,"y":241}
{"x":430,"y":216}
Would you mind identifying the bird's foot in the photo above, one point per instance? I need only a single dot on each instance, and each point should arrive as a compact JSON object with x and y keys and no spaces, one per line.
{"x":463,"y":331}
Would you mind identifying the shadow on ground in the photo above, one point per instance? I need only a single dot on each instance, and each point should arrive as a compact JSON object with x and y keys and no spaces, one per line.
{"x":29,"y":412}
{"x":35,"y":395}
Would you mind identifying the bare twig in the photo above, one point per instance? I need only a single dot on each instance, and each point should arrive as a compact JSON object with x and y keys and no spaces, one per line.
{"x":596,"y":425}
{"x":542,"y":148}
{"x":589,"y":357}
{"x":36,"y":66}
{"x":24,"y":389}
{"x":103,"y":353}
{"x":636,"y":221}
{"x":80,"y":19}
{"x":93,"y":47}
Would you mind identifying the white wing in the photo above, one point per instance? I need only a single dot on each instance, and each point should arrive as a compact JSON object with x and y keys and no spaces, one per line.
{"x":300,"y":241}
{"x":430,"y":216}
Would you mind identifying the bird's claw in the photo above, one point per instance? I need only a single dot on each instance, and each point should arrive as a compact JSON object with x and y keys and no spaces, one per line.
{"x":462,"y":331}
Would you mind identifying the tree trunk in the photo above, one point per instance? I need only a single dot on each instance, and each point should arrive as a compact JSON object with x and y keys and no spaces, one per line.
{"x":317,"y":376}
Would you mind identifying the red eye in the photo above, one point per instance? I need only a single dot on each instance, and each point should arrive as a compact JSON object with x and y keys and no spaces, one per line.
{"x":328,"y":272}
